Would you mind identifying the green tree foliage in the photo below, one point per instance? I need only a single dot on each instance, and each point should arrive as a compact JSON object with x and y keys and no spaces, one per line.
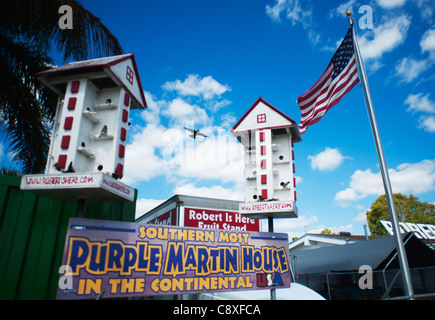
{"x":28,"y":30}
{"x":327,"y":231}
{"x":408,"y":209}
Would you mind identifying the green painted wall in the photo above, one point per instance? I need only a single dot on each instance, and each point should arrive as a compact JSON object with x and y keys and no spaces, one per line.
{"x":32,"y":238}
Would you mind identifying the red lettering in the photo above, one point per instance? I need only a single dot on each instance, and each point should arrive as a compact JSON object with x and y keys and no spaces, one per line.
{"x":116,"y":186}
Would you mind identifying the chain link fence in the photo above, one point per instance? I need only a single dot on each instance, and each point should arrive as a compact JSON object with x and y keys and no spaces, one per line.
{"x":385,"y":285}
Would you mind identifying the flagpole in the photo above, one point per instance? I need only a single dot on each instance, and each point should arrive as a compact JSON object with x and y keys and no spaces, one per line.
{"x":406,"y":275}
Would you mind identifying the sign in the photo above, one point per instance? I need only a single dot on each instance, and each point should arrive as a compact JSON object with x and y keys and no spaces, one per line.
{"x":422,"y":231}
{"x":70,"y":186}
{"x":258,"y":209}
{"x":168,"y":218}
{"x":214,"y":219}
{"x":121,"y":259}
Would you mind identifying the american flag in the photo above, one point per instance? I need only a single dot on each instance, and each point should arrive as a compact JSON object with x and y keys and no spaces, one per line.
{"x":339,"y":78}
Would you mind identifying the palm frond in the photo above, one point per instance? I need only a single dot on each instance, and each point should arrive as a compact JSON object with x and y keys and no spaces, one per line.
{"x":27,"y":106}
{"x":37,"y":20}
{"x":27,"y":30}
{"x":9,"y":171}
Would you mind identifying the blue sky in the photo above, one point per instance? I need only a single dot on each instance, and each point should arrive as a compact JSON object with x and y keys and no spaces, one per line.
{"x":204,"y":63}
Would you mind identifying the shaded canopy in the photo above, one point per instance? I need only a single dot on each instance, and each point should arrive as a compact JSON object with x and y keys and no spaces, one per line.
{"x":350,"y":257}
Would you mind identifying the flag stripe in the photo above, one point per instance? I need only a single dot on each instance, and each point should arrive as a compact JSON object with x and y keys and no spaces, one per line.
{"x":336,"y":85}
{"x":330,"y":88}
{"x":339,"y":78}
{"x":321,"y":110}
{"x":310,"y":94}
{"x":333,"y":91}
{"x":320,"y":93}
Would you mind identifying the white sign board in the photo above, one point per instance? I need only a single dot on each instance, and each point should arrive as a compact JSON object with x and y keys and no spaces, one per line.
{"x":73,"y":186}
{"x":262,"y":209}
{"x":422,"y":231}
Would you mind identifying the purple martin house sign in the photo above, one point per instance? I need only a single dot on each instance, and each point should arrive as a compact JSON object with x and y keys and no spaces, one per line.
{"x":121,"y":259}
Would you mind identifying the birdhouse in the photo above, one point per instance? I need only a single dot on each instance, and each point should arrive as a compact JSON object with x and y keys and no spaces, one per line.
{"x":267,"y":136}
{"x":92,"y":116}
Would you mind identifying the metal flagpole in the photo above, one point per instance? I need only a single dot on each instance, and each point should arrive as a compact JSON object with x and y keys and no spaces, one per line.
{"x":406,"y":275}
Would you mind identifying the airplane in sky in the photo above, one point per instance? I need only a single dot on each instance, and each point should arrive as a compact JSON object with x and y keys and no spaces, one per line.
{"x":195,"y":133}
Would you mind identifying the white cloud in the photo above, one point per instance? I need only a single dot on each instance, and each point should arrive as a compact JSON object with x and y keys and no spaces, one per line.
{"x":390,"y":4}
{"x":361,"y":217}
{"x":418,"y":102}
{"x":142,"y":161}
{"x":341,"y":10}
{"x":409,"y":69}
{"x":427,"y":42}
{"x":228,"y":120}
{"x":291,"y":226}
{"x":348,"y":194}
{"x":167,"y":151}
{"x":181,"y":112}
{"x":217,"y":192}
{"x":427,"y":123}
{"x":302,"y":221}
{"x":207,"y":87}
{"x":172,"y":153}
{"x":145,"y":205}
{"x":406,"y":178}
{"x":293,"y":11}
{"x":327,"y":160}
{"x":219,"y":157}
{"x":384,"y":38}
{"x":152,"y":113}
{"x":334,"y":229}
{"x":216,"y":105}
{"x":426,"y":9}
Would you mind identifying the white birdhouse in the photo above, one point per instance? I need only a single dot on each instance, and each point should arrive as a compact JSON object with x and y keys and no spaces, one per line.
{"x":267,"y":136}
{"x":92,"y":117}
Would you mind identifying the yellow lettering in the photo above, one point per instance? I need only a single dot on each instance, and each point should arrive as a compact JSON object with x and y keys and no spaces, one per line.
{"x":81,"y":286}
{"x":151,"y":232}
{"x":241,"y":283}
{"x":142,"y":232}
{"x":182,"y":234}
{"x":140,"y":283}
{"x":155,"y":285}
{"x":165,"y":285}
{"x":223,"y":237}
{"x":162,"y":234}
{"x":127,"y":285}
{"x":86,"y":286}
{"x":191,"y":235}
{"x":200,"y":235}
{"x":114,"y":283}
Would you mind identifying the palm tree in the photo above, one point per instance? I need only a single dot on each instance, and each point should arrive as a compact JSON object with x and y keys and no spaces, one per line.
{"x":28,"y":30}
